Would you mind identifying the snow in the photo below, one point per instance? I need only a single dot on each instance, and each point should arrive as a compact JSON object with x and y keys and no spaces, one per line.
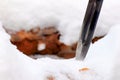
{"x":26,"y":14}
{"x":44,"y":56}
{"x":41,"y":46}
{"x":16,"y":66}
{"x":102,"y":60}
{"x":104,"y":53}
{"x":66,"y":15}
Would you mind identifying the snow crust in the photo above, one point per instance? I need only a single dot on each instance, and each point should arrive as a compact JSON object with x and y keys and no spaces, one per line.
{"x":66,"y":15}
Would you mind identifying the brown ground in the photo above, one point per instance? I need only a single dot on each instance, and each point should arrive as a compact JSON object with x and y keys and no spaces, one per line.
{"x":28,"y":41}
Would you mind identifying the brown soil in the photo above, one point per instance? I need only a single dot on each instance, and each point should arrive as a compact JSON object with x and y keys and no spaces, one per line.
{"x":28,"y":41}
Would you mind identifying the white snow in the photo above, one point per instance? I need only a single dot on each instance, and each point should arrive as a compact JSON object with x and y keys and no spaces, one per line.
{"x":66,"y":15}
{"x":17,"y":14}
{"x":102,"y":60}
{"x":16,"y":66}
{"x":41,"y":46}
{"x":104,"y":53}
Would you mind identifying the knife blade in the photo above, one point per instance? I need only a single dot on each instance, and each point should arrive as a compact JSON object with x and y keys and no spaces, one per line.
{"x":88,"y":28}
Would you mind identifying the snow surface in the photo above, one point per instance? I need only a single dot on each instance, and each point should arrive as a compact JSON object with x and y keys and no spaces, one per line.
{"x":66,"y":15}
{"x":41,"y":46}
{"x":16,"y":66}
{"x":102,"y":60}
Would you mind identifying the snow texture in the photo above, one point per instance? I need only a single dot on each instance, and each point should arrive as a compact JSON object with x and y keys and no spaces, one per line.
{"x":66,"y":15}
{"x":16,"y":66}
{"x":102,"y":60}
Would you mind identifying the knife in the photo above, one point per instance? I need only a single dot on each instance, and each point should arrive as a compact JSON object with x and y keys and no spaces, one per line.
{"x":88,"y":28}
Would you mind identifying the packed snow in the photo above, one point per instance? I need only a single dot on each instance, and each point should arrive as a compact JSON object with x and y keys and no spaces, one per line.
{"x":66,"y":15}
{"x":102,"y":61}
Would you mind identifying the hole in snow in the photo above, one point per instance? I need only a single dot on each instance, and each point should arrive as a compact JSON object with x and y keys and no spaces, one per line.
{"x":38,"y":43}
